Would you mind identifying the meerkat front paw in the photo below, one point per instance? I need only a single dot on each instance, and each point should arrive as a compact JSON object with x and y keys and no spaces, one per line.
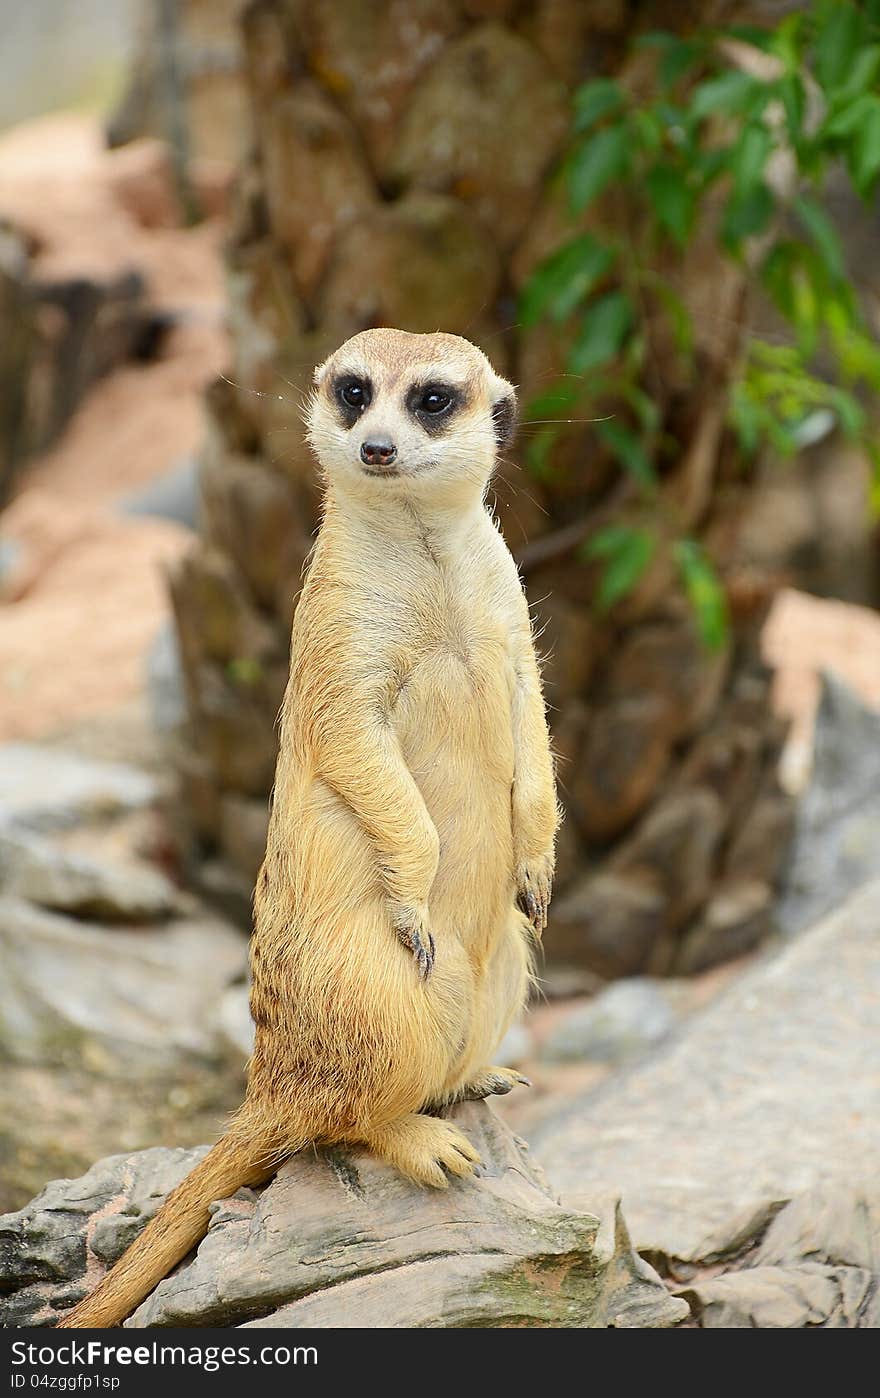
{"x":411,"y":928}
{"x":491,"y":1082}
{"x":534,"y":886}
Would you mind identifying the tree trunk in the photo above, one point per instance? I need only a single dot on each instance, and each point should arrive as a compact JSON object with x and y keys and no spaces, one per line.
{"x":397,"y":174}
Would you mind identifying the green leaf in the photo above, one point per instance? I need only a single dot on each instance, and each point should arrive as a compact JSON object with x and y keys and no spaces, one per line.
{"x":625,"y":553}
{"x":749,"y":156}
{"x":679,"y":316}
{"x":730,"y":93}
{"x":539,"y":448}
{"x":865,"y":164}
{"x":838,"y":43}
{"x":557,"y":400}
{"x":602,"y":333}
{"x":862,"y":75}
{"x":673,"y":201}
{"x":824,"y":236}
{"x":785,"y":41}
{"x":678,"y":58}
{"x":745,"y":215}
{"x":790,"y":90}
{"x":629,"y":449}
{"x":596,"y":100}
{"x":595,"y":163}
{"x":564,"y":279}
{"x":745,"y":416}
{"x":845,"y":120}
{"x":244,"y":670}
{"x":704,"y":591}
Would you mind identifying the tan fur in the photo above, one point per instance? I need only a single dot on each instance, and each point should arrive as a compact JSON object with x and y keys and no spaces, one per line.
{"x":414,"y":798}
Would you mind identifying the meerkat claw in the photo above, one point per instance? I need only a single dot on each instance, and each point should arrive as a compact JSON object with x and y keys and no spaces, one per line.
{"x":420,"y":943}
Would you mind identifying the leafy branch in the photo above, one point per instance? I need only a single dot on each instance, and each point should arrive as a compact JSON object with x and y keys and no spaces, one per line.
{"x":729,"y":110}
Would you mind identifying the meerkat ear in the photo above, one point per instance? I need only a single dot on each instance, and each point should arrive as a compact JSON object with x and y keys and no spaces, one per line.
{"x":320,"y":373}
{"x":504,"y":412}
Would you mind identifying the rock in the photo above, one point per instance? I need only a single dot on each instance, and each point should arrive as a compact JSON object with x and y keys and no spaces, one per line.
{"x":624,"y":1021}
{"x":515,"y":1047}
{"x":44,"y":788}
{"x":620,"y":768}
{"x":668,"y":660}
{"x":761,"y":845}
{"x":37,"y":870}
{"x":244,"y":827}
{"x":173,"y":496}
{"x":142,"y":180}
{"x":805,"y":637}
{"x":340,"y":1241}
{"x":835,"y":847}
{"x":772,"y":1090}
{"x":737,"y":918}
{"x":118,"y":1004}
{"x":674,"y":849}
{"x":624,"y":919}
{"x":165,"y":688}
{"x":235,"y":1019}
{"x":816,"y":1265}
{"x":610,"y":923}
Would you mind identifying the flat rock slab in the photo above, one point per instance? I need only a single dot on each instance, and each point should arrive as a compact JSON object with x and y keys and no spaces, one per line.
{"x":120,"y":1001}
{"x":40,"y":871}
{"x":771,"y":1092}
{"x":340,"y":1240}
{"x":42,"y":788}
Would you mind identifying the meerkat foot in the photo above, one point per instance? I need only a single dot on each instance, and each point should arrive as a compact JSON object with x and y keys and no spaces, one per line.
{"x":411,"y":930}
{"x":534,"y":886}
{"x":425,"y":1149}
{"x":491,"y":1082}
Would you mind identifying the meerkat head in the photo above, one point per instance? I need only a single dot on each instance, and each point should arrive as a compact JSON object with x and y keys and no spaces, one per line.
{"x":419,"y":415}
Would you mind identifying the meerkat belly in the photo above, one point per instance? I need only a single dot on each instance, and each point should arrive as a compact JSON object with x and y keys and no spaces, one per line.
{"x":453,"y":721}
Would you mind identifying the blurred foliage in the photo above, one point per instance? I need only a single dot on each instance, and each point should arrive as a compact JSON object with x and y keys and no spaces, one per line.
{"x":759,"y":139}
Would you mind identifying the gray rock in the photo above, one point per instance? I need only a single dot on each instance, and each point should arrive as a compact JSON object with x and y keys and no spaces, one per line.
{"x":515,"y":1047}
{"x":165,"y":687}
{"x":173,"y":496}
{"x":835,"y":847}
{"x":235,"y":1019}
{"x":343,"y":1241}
{"x":47,"y":1256}
{"x":44,"y":788}
{"x":34,"y":868}
{"x":818,"y":1264}
{"x":623,"y":1021}
{"x":773,"y":1090}
{"x":116,"y":1002}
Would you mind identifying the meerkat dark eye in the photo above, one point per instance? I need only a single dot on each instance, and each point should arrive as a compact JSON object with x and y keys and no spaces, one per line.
{"x":434,"y":401}
{"x":354,"y":394}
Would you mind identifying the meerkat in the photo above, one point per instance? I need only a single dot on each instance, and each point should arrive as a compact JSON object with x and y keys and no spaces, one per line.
{"x":410,"y":851}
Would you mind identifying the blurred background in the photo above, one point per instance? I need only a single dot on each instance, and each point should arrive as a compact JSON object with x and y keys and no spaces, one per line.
{"x":661,"y":222}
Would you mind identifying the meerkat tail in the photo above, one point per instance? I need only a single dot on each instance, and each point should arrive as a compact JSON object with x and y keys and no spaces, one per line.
{"x":246,"y":1155}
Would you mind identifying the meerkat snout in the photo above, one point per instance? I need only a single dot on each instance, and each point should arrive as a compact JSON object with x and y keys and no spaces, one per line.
{"x":378,"y":451}
{"x":418,"y":414}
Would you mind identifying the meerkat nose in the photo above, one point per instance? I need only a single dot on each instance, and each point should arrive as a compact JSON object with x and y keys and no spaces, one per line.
{"x":379,"y":452}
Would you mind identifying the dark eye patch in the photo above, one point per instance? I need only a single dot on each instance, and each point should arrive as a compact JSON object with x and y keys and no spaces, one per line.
{"x":432,"y":404}
{"x":352,"y":396}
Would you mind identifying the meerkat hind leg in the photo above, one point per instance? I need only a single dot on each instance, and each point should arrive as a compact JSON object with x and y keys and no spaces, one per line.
{"x":425,"y":1148}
